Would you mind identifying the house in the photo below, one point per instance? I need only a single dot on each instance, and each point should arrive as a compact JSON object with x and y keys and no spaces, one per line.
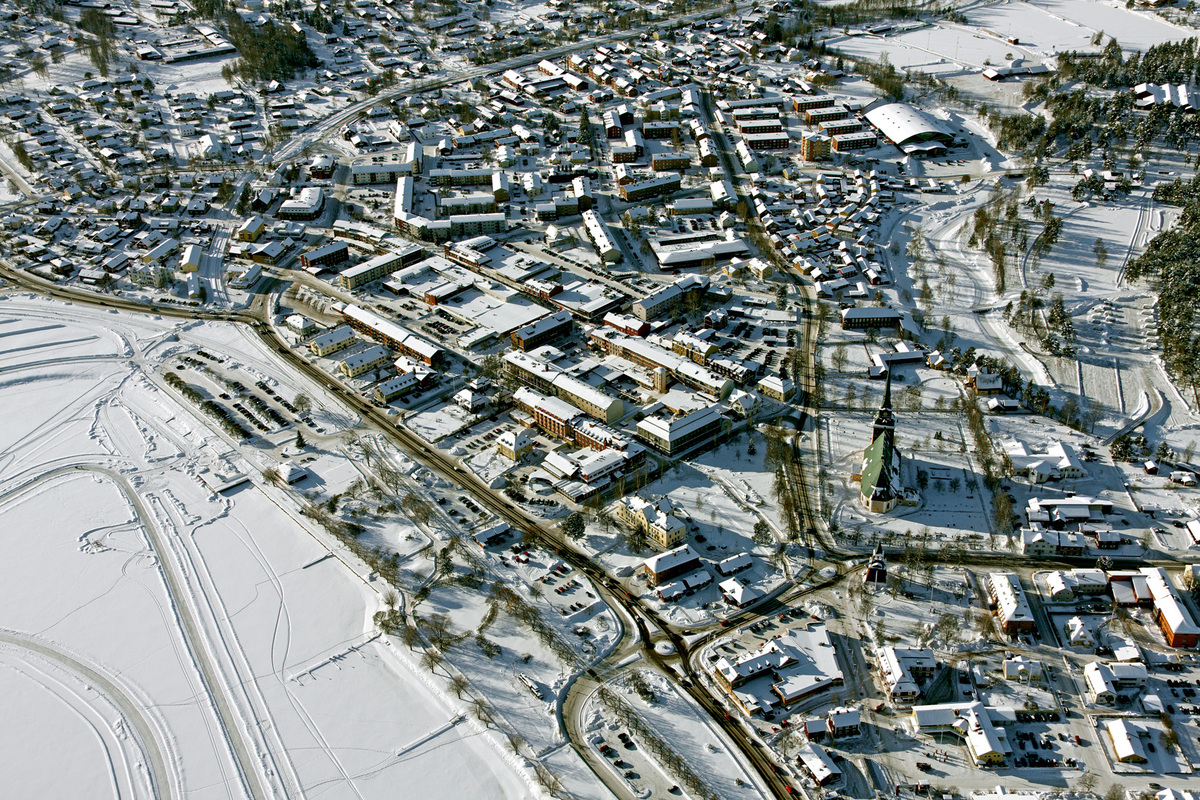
{"x":777,"y":388}
{"x":1078,"y":633}
{"x":816,"y":729}
{"x":844,"y":722}
{"x":657,"y":519}
{"x":664,"y":566}
{"x":984,"y":382}
{"x":515,"y":445}
{"x":1023,"y":670}
{"x":1126,"y":738}
{"x":904,"y":670}
{"x":738,"y":594}
{"x":1172,"y":616}
{"x":251,"y":229}
{"x":491,"y":535}
{"x":1183,"y":478}
{"x":1109,"y":682}
{"x":470,"y":401}
{"x":817,"y":763}
{"x":1038,"y":542}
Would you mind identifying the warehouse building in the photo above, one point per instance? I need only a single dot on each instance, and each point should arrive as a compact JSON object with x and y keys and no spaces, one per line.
{"x":913,"y":131}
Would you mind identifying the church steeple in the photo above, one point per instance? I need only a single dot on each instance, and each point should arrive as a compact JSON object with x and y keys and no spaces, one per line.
{"x":885,"y":423}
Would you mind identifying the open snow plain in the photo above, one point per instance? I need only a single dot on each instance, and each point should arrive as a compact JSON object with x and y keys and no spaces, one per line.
{"x":160,"y":640}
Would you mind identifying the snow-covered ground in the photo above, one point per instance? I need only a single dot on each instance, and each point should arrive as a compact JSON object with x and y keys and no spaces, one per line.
{"x":166,"y":629}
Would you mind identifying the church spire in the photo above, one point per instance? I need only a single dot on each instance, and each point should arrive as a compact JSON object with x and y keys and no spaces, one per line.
{"x":885,"y":423}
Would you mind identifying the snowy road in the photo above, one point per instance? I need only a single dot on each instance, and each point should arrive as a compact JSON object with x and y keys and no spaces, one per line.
{"x":147,"y":738}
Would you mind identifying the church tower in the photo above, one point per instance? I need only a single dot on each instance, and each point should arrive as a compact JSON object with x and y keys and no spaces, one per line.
{"x":885,"y":423}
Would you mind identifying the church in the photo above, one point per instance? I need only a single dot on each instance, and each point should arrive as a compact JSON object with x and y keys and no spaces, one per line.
{"x":879,"y":487}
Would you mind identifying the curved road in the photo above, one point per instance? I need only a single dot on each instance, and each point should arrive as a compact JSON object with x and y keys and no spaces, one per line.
{"x":156,"y":767}
{"x":250,"y":778}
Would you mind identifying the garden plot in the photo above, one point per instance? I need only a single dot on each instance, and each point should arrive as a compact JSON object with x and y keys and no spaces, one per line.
{"x":738,"y":467}
{"x":916,"y":615}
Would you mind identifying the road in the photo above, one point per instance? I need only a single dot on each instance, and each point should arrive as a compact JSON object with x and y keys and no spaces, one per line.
{"x":679,"y":667}
{"x":308,"y":137}
{"x":193,"y":637}
{"x":156,"y":768}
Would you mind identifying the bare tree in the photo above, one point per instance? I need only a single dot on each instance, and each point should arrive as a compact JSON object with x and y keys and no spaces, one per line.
{"x":458,"y":685}
{"x":431,"y":659}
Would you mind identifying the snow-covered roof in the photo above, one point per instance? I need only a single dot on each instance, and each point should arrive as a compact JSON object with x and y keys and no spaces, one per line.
{"x":903,"y":124}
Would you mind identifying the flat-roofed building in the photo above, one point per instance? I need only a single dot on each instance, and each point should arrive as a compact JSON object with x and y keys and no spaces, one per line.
{"x":673,"y":435}
{"x":667,"y":364}
{"x":761,"y":125}
{"x":461,"y":177}
{"x":652,"y":187}
{"x":552,"y":415}
{"x":306,"y":205}
{"x":858,"y":140}
{"x":663,"y":162}
{"x":766,"y":141}
{"x":546,"y":329}
{"x":378,"y":267}
{"x":549,"y":378}
{"x":862,"y":318}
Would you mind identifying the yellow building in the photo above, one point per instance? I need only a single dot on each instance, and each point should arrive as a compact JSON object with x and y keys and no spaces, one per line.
{"x":251,"y":229}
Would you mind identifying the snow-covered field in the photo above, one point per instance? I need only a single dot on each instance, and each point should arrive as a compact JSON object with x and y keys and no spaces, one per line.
{"x":155,"y":632}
